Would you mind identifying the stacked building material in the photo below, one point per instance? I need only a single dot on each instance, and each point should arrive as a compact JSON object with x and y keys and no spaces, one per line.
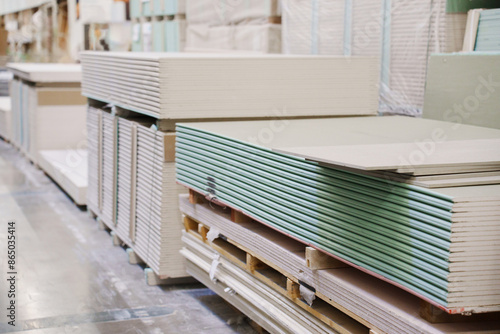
{"x":488,"y":31}
{"x":157,"y":232}
{"x":262,"y":303}
{"x":5,"y":78}
{"x":158,"y":25}
{"x":45,"y":96}
{"x":331,"y":286}
{"x":69,"y":169}
{"x":463,"y":88}
{"x":438,"y":244}
{"x":251,"y":26}
{"x":132,"y":188}
{"x":94,"y":129}
{"x":238,"y":86}
{"x":5,"y":118}
{"x":160,"y":85}
{"x":313,"y":27}
{"x":401,"y":35}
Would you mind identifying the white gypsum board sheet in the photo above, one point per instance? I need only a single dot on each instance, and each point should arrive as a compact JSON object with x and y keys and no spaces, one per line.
{"x":5,"y":103}
{"x":69,"y":169}
{"x":38,"y":72}
{"x":393,"y":156}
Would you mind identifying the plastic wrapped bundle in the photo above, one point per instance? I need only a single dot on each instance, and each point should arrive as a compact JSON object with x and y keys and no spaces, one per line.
{"x":264,"y":38}
{"x":225,"y":12}
{"x":313,"y":27}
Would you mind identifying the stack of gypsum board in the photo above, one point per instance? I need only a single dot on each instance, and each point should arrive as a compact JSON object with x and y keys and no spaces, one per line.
{"x":419,"y":239}
{"x":93,"y":132}
{"x":378,"y":305}
{"x":488,"y":32}
{"x":5,"y":78}
{"x":108,"y":190}
{"x":132,"y":183}
{"x":158,"y":221}
{"x":196,"y":86}
{"x":264,"y":305}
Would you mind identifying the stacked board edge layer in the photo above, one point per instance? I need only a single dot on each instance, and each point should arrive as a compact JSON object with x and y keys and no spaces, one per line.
{"x":132,"y":188}
{"x":199,"y":86}
{"x":439,"y":244}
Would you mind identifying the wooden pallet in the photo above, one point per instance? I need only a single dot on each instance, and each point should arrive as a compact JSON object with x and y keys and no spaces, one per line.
{"x":275,"y":277}
{"x":316,"y":259}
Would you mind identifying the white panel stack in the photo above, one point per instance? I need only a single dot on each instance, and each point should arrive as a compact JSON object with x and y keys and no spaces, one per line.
{"x":261,"y":38}
{"x":93,"y":146}
{"x":5,"y":78}
{"x":132,"y":188}
{"x":247,"y":25}
{"x":263,"y":304}
{"x":125,"y":215}
{"x":158,"y":229}
{"x":48,"y":114}
{"x":5,"y":118}
{"x":232,"y":86}
{"x":108,"y":169}
{"x":68,"y":168}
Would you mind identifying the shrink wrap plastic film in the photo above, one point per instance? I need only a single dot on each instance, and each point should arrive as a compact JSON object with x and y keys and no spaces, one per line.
{"x":262,"y":38}
{"x":401,"y":33}
{"x":225,"y":12}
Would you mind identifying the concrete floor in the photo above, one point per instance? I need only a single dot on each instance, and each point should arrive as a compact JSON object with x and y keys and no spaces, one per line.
{"x":71,"y":279}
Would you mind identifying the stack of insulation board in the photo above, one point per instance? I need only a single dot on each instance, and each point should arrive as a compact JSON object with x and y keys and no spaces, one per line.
{"x":132,"y":188}
{"x":463,"y":88}
{"x":488,"y":31}
{"x":248,"y":25}
{"x":376,"y":304}
{"x":48,"y":115}
{"x":232,"y":86}
{"x":440,"y":244}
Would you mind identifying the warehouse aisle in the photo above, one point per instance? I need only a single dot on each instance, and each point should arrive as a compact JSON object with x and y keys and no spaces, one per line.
{"x":71,"y":279}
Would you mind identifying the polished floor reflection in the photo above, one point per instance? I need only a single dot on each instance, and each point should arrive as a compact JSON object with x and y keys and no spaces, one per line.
{"x":71,"y":279}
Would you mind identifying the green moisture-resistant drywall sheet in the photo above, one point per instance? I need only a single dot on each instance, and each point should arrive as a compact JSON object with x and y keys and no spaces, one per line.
{"x":488,"y":31}
{"x":463,"y":6}
{"x":464,"y":88}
